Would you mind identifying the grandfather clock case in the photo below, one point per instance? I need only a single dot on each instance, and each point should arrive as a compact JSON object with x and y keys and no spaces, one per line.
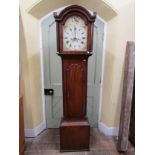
{"x":74,"y":45}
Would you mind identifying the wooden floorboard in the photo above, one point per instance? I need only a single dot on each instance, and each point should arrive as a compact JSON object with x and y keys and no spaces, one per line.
{"x":47,"y":143}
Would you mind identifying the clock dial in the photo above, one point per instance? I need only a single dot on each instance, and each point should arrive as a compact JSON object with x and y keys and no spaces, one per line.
{"x":75,"y":34}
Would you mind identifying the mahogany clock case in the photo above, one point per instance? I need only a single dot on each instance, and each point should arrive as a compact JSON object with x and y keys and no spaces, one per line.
{"x":74,"y":127}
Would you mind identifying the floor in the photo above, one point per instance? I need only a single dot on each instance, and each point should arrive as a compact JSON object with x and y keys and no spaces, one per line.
{"x":47,"y":143}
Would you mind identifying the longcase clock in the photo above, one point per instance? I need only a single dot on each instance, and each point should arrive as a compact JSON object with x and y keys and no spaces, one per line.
{"x":74,"y":44}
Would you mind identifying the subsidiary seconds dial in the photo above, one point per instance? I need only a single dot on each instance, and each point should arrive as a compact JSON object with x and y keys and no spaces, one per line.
{"x":75,"y":34}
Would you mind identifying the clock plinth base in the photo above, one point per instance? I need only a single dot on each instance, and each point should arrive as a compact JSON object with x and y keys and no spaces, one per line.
{"x":74,"y":135}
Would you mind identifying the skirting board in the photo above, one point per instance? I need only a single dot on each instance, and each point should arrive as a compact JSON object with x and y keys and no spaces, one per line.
{"x":35,"y":131}
{"x":108,"y":131}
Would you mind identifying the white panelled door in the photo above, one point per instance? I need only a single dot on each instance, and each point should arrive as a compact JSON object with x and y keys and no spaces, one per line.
{"x":53,"y":73}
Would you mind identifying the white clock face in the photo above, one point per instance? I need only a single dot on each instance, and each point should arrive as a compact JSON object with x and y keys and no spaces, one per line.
{"x":75,"y":34}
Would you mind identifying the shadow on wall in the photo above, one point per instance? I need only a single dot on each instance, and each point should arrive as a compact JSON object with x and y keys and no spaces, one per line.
{"x":110,"y":93}
{"x":107,"y":85}
{"x":119,"y":100}
{"x":109,"y":70}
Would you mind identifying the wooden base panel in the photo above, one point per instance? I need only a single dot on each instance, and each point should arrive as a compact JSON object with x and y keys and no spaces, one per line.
{"x":22,"y":149}
{"x":74,"y":135}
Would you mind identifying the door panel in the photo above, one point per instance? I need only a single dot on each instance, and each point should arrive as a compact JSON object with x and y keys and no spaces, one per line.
{"x":53,"y":74}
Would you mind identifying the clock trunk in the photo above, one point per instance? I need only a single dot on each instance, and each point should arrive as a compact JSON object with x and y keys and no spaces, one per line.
{"x":74,"y":86}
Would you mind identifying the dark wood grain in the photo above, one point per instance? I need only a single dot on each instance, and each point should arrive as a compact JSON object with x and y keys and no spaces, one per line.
{"x":126,"y":97}
{"x":74,"y":135}
{"x":75,"y":80}
{"x":21,"y":127}
{"x":74,"y":128}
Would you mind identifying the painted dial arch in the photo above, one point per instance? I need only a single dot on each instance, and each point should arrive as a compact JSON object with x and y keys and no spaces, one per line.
{"x":75,"y":34}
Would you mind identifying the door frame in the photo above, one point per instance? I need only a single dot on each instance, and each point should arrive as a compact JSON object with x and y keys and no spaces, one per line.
{"x":42,"y":68}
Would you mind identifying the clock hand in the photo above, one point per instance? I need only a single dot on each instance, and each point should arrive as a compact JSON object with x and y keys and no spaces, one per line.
{"x":74,"y":32}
